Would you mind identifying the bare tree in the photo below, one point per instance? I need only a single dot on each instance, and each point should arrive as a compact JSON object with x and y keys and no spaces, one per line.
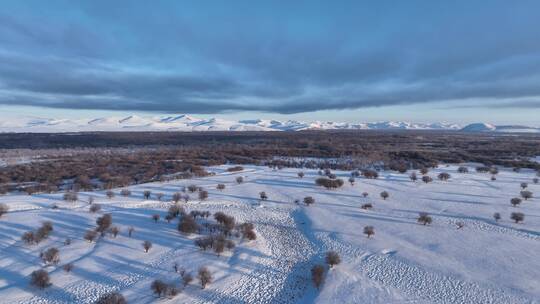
{"x":317,"y":275}
{"x":95,"y":208}
{"x":366,"y":206}
{"x":90,"y":235}
{"x":50,"y":256}
{"x":70,"y":196}
{"x":68,"y":267}
{"x":177,"y":197}
{"x":309,"y":200}
{"x":369,"y":231}
{"x":40,"y":278}
{"x":517,"y":217}
{"x":125,"y":192}
{"x":443,"y":176}
{"x":263,"y":196}
{"x":332,"y":258}
{"x":427,"y":179}
{"x":535,"y":180}
{"x":187,"y":224}
{"x":384,"y":195}
{"x":130,"y":231}
{"x":114,"y":231}
{"x":147,"y":245}
{"x":203,"y":195}
{"x":365,"y":194}
{"x":110,"y":194}
{"x":413,"y":176}
{"x":351,"y":180}
{"x":497,"y":216}
{"x":28,"y":237}
{"x":160,"y":288}
{"x":301,"y":174}
{"x":147,"y":194}
{"x":515,"y":201}
{"x":424,"y":218}
{"x":239,"y":179}
{"x":111,"y":298}
{"x":103,"y":223}
{"x":187,"y":278}
{"x":155,"y":217}
{"x":523,"y":185}
{"x":463,"y":169}
{"x":192,"y":188}
{"x":205,"y":277}
{"x":220,"y":187}
{"x":159,"y":196}
{"x":424,"y":170}
{"x":3,"y":209}
{"x":526,"y":194}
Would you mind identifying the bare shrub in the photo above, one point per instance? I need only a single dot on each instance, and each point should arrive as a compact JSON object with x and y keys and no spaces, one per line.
{"x":159,"y":196}
{"x":443,"y":176}
{"x":187,"y":278}
{"x":370,"y":174}
{"x":535,"y":180}
{"x":70,"y":196}
{"x":515,"y":201}
{"x":125,"y":192}
{"x":28,"y":237}
{"x":424,"y":171}
{"x":203,"y":195}
{"x":309,"y":200}
{"x":114,"y":231}
{"x":90,"y":235}
{"x":3,"y":209}
{"x":103,"y":223}
{"x":175,"y":210}
{"x":523,"y":185}
{"x":332,"y":258}
{"x":147,"y":245}
{"x":263,"y":195}
{"x":235,"y":169}
{"x":384,"y":195}
{"x":220,"y":186}
{"x":239,"y":180}
{"x":517,"y":217}
{"x":177,"y":197}
{"x":147,"y":194}
{"x":67,"y":242}
{"x":43,"y":232}
{"x":526,"y":194}
{"x":160,"y":288}
{"x":95,"y":208}
{"x":369,"y":231}
{"x":365,"y":194}
{"x":68,"y":267}
{"x":317,"y":275}
{"x":188,"y":225}
{"x":329,"y":183}
{"x":351,"y":180}
{"x":112,"y":298}
{"x":427,"y":179}
{"x":40,"y":278}
{"x":205,"y":277}
{"x":497,"y":216}
{"x":301,"y":174}
{"x":460,"y":225}
{"x":192,"y":188}
{"x":155,"y":217}
{"x":130,"y":231}
{"x":248,"y":232}
{"x":413,"y":177}
{"x":463,"y":169}
{"x":110,"y":194}
{"x":50,"y":256}
{"x":366,"y":206}
{"x":424,"y":218}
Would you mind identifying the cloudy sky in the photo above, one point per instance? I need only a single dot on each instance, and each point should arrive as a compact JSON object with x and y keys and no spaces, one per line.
{"x":456,"y":61}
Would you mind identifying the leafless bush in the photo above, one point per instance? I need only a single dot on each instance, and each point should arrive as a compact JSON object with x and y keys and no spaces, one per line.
{"x":239,"y":180}
{"x":90,"y":235}
{"x":248,"y":232}
{"x":50,"y":256}
{"x":159,"y":196}
{"x":329,"y":183}
{"x":523,"y":185}
{"x":482,"y":169}
{"x":155,"y":217}
{"x":463,"y":169}
{"x":95,"y":208}
{"x":332,"y":258}
{"x":427,"y":179}
{"x":443,"y":176}
{"x":188,"y":225}
{"x":535,"y":180}
{"x":370,"y":174}
{"x":515,"y":201}
{"x":424,"y":171}
{"x":366,"y":206}
{"x":187,"y":278}
{"x":309,"y":200}
{"x":413,"y":176}
{"x":147,"y":194}
{"x":147,"y":245}
{"x":497,"y":216}
{"x":40,"y":278}
{"x":177,"y":197}
{"x":125,"y":192}
{"x":526,"y":194}
{"x":424,"y":218}
{"x":114,"y":231}
{"x":112,"y":298}
{"x":351,"y":180}
{"x":301,"y":174}
{"x":205,"y":277}
{"x":103,"y":223}
{"x":235,"y":169}
{"x":517,"y":217}
{"x":460,"y":225}
{"x":130,"y":231}
{"x":365,"y":194}
{"x":68,"y":267}
{"x":203,"y":195}
{"x":192,"y":188}
{"x":3,"y":209}
{"x":67,"y":242}
{"x":70,"y":196}
{"x":110,"y":194}
{"x":28,"y":237}
{"x":317,"y":275}
{"x":43,"y":232}
{"x":162,"y":289}
{"x":369,"y":231}
{"x":384,"y":195}
{"x":263,"y":195}
{"x":220,"y":186}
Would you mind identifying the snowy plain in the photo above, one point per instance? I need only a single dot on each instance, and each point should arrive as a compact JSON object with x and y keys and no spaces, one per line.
{"x":404,"y":262}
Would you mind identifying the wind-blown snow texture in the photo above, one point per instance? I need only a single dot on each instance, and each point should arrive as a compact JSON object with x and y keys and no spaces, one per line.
{"x":189,"y":123}
{"x":404,"y":262}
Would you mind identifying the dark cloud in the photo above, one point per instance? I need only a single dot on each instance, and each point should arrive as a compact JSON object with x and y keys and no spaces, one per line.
{"x":298,"y":57}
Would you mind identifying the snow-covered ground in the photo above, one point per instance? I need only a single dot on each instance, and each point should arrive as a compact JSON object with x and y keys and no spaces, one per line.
{"x":404,"y":262}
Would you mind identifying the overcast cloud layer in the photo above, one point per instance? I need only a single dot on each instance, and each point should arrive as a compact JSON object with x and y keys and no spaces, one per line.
{"x":218,"y":56}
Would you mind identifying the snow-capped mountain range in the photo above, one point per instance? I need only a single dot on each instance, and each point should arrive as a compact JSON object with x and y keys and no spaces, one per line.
{"x":189,"y":123}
